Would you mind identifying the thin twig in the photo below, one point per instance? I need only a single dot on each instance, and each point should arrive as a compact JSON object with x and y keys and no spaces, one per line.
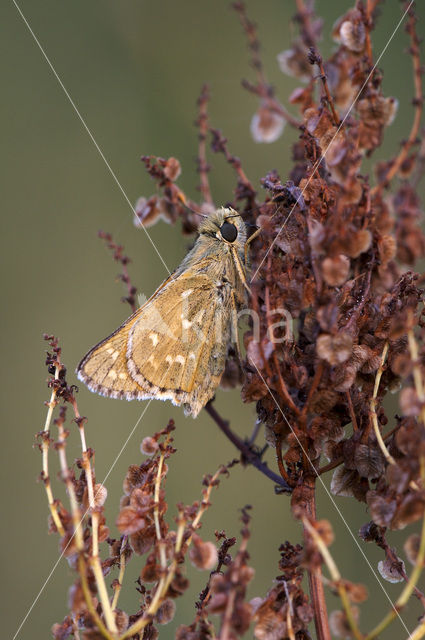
{"x":279,"y":459}
{"x":161,"y":542}
{"x":373,"y":402}
{"x":248,"y":455}
{"x":203,"y":166}
{"x":45,"y":445}
{"x":219,"y":145}
{"x":88,"y":598}
{"x":317,"y":593}
{"x":304,"y":16}
{"x":262,"y":89}
{"x":351,"y":409}
{"x":417,"y":375}
{"x":316,"y":381}
{"x":418,"y":633}
{"x":122,"y":259}
{"x":418,"y":105}
{"x":119,"y":584}
{"x":316,"y":58}
{"x":94,"y":559}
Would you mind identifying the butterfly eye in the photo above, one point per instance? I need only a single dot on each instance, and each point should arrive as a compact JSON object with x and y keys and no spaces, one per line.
{"x":229,"y":231}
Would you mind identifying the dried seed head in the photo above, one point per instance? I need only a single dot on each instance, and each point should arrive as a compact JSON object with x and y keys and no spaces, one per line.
{"x":100,"y":494}
{"x":130,"y":521}
{"x":135,"y":477}
{"x":266,"y":125}
{"x":381,"y":510}
{"x":409,"y":402}
{"x":352,"y":33}
{"x":340,"y":627}
{"x":148,"y":212}
{"x":335,"y":270}
{"x":369,"y":532}
{"x":149,"y":446}
{"x":369,"y":461}
{"x":334,"y":349}
{"x":151,"y":571}
{"x":121,"y":620}
{"x":410,"y":510}
{"x":172,"y":169}
{"x":344,"y":482}
{"x":387,"y":248}
{"x":411,"y":547}
{"x":391,"y":570}
{"x":359,"y":242}
{"x":293,"y":62}
{"x":203,"y":555}
{"x":356,"y":592}
{"x":401,"y":365}
{"x":377,"y":111}
{"x":325,"y":531}
{"x":166,"y":612}
{"x":270,"y":626}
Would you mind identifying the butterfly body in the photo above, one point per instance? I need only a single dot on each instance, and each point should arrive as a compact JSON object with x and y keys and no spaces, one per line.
{"x":175,"y":346}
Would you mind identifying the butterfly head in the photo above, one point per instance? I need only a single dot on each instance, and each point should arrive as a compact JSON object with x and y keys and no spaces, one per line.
{"x":226,"y":225}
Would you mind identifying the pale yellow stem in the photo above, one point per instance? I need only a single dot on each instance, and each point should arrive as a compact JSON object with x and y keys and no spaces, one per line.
{"x":165,"y":581}
{"x":417,"y":375}
{"x":88,"y":598}
{"x":418,"y":633}
{"x":162,"y":555}
{"x":120,"y":576}
{"x":376,"y":429}
{"x":45,"y":459}
{"x":95,"y":559}
{"x":75,"y":511}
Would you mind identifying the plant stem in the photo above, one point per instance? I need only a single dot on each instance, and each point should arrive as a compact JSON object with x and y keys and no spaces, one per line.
{"x":315,"y":583}
{"x":45,"y":452}
{"x":246,"y":451}
{"x":336,"y":577}
{"x":373,"y":402}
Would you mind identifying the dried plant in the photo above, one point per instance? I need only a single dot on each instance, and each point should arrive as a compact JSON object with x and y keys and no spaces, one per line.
{"x":336,"y":249}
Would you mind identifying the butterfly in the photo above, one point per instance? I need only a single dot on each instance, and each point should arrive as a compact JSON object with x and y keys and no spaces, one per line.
{"x":175,"y":346}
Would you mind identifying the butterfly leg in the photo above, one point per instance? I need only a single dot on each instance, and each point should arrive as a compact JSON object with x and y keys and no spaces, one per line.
{"x":248,"y":242}
{"x":235,"y":327}
{"x":241,"y":271}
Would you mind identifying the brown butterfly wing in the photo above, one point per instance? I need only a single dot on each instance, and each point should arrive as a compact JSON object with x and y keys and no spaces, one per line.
{"x":104,"y":368}
{"x":177,"y":348}
{"x":174,"y":347}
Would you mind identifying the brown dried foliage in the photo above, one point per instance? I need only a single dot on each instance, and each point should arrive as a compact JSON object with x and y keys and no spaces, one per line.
{"x":336,"y":252}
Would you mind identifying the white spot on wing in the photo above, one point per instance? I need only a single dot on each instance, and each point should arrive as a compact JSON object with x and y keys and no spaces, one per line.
{"x":187,"y":293}
{"x":180,"y":359}
{"x":154,"y":338}
{"x":112,"y":374}
{"x":186,"y":323}
{"x":122,"y":376}
{"x":169,"y":360}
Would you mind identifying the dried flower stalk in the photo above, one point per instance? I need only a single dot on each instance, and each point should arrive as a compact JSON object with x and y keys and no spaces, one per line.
{"x":334,"y":251}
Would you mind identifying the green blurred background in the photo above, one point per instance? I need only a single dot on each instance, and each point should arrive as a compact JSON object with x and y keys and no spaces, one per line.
{"x":134,"y":69}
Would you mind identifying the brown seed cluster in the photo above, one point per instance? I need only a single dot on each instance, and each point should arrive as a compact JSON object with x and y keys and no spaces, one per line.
{"x":341,"y":327}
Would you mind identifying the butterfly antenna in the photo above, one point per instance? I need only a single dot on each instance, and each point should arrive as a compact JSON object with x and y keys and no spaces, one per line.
{"x":184,"y":203}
